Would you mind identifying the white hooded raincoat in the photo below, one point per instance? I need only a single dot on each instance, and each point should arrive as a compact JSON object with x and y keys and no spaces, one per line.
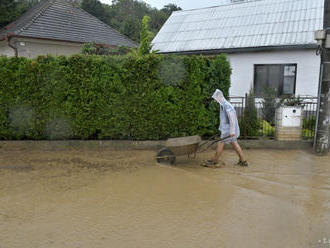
{"x":228,"y":118}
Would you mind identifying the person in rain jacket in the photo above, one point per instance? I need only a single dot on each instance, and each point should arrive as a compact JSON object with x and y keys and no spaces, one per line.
{"x":228,"y":128}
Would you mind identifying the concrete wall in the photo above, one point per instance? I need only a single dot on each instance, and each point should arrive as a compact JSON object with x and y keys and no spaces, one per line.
{"x":308,"y":69}
{"x":31,"y":48}
{"x":64,"y":145}
{"x":6,"y":50}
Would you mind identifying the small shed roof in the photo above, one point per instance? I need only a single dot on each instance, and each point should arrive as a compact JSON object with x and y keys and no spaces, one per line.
{"x":62,"y":20}
{"x":252,"y":24}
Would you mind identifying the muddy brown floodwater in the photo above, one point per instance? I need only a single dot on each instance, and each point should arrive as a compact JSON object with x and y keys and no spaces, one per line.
{"x":124,"y":199}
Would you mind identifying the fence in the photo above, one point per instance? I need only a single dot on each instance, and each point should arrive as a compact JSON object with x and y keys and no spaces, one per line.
{"x":256,"y":116}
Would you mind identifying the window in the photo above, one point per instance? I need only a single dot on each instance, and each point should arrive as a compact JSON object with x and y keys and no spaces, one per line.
{"x":279,"y":77}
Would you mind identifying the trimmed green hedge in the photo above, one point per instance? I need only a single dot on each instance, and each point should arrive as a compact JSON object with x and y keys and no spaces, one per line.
{"x":99,"y":97}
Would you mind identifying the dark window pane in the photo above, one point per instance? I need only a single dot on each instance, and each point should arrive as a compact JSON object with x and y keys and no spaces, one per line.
{"x":260,"y":80}
{"x":266,"y":77}
{"x":279,"y":77}
{"x":274,"y":76}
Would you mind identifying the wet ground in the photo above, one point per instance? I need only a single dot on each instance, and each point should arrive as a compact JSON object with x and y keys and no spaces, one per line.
{"x":124,"y":199}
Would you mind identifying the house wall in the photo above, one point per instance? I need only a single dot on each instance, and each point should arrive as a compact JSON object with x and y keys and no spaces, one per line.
{"x":308,"y":69}
{"x":32,"y":48}
{"x":6,"y":50}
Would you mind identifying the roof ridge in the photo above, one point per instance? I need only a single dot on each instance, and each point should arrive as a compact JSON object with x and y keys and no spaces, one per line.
{"x":220,"y":5}
{"x":226,"y":4}
{"x":44,"y":6}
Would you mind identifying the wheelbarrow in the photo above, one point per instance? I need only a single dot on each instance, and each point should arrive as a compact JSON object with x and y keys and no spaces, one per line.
{"x":189,"y":145}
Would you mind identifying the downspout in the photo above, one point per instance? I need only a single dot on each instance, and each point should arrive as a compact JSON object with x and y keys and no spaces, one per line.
{"x":8,"y":38}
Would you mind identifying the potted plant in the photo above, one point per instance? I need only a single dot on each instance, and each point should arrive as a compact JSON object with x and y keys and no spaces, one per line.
{"x":292,"y":101}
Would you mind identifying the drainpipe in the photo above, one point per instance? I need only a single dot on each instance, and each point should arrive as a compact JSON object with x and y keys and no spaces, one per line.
{"x":8,"y":38}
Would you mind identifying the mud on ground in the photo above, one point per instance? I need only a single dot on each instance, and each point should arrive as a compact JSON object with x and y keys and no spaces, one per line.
{"x":108,"y":198}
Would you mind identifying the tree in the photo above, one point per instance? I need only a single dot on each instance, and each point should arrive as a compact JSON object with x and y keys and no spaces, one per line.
{"x":122,"y":15}
{"x":250,"y":123}
{"x":126,"y":15}
{"x":11,"y":10}
{"x":93,"y":49}
{"x":158,"y":18}
{"x":95,"y":8}
{"x":145,"y":37}
{"x":169,"y":8}
{"x":8,"y":10}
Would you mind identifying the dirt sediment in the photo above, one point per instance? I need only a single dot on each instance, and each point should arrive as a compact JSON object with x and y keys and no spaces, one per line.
{"x":112,"y":198}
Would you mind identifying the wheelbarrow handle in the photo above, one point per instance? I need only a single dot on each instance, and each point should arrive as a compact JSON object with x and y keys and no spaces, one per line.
{"x":210,"y":143}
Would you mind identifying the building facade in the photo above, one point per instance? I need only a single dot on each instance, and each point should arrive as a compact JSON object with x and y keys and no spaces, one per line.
{"x":269,"y":43}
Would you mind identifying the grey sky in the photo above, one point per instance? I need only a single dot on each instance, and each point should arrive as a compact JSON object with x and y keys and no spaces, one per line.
{"x":184,"y":4}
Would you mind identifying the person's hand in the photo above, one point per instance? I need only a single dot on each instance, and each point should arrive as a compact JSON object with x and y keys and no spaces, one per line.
{"x":232,"y":135}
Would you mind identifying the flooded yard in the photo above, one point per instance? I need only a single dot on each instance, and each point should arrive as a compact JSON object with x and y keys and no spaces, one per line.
{"x":124,"y":199}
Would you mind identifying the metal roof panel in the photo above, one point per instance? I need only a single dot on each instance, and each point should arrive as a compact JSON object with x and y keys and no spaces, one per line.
{"x":251,"y":24}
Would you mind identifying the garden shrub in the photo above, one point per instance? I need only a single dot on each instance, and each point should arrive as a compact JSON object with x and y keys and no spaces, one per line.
{"x":309,"y":123}
{"x":266,"y":129}
{"x":250,"y":123}
{"x":270,"y":104}
{"x":309,"y":126}
{"x":110,"y":97}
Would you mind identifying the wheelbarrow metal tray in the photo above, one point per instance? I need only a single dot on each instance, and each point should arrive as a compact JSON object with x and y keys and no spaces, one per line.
{"x":184,"y":145}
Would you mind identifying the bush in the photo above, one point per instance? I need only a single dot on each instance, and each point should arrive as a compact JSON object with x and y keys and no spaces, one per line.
{"x":292,"y":101}
{"x":309,"y":126}
{"x":266,"y":129}
{"x":270,"y":104}
{"x":309,"y":123}
{"x":308,"y":133}
{"x":250,"y":124}
{"x":94,"y":49}
{"x":109,"y":97}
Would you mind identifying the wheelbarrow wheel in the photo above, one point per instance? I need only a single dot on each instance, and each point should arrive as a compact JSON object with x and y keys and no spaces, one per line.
{"x":165,"y":156}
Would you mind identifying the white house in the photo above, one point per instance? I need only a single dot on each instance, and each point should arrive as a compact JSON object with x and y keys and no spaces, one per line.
{"x":269,"y":43}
